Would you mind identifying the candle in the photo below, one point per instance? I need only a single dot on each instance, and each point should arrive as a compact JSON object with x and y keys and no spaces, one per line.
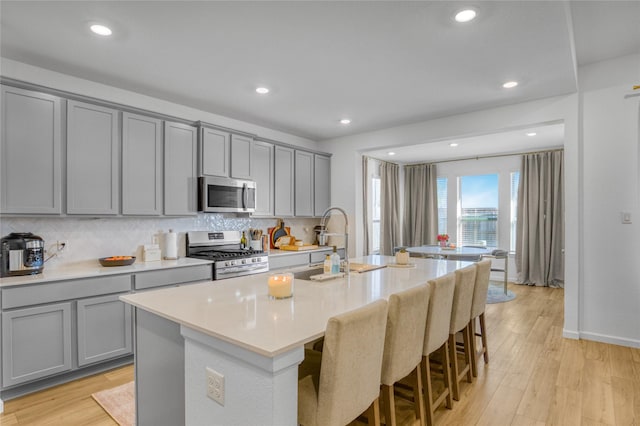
{"x":281,"y":285}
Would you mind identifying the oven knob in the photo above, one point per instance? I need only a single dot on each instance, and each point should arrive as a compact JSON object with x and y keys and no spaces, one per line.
{"x":226,"y":263}
{"x":244,"y":261}
{"x":254,"y":260}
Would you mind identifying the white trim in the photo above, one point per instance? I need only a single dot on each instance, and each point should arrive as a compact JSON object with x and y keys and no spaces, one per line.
{"x":571,"y":334}
{"x":614,"y":340}
{"x":1,"y":407}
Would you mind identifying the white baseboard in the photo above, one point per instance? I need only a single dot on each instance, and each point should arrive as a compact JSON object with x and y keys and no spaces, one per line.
{"x":614,"y":340}
{"x":1,"y":407}
{"x":570,"y":334}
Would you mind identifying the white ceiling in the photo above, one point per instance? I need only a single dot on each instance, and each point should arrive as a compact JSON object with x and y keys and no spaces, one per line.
{"x":382,"y":64}
{"x":510,"y":142}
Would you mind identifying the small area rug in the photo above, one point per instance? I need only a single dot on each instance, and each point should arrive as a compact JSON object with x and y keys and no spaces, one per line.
{"x":496,"y":293}
{"x":119,"y":403}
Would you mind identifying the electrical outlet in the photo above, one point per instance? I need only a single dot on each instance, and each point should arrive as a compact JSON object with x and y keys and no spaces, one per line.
{"x":215,"y":386}
{"x":61,"y":245}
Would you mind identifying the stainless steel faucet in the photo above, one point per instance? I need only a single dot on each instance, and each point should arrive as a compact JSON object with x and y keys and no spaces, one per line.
{"x":345,"y":235}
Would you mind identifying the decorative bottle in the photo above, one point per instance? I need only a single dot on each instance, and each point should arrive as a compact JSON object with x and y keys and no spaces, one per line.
{"x":327,"y":264}
{"x":335,"y":261}
{"x":243,"y":241}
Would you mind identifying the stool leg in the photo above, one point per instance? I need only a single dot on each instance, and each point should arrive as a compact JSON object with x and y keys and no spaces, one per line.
{"x":373,"y":413}
{"x":389,"y":405}
{"x":466,"y":336}
{"x":418,"y":400}
{"x":483,"y":332}
{"x":454,"y":367}
{"x":474,"y":354}
{"x":446,"y":365}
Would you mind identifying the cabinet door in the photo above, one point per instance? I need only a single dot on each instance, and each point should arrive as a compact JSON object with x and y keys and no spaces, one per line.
{"x":214,"y":152}
{"x":262,"y":172}
{"x":241,"y":157}
{"x":321,"y":184}
{"x":36,"y":342}
{"x":180,"y":187}
{"x":31,"y":151}
{"x":304,"y":184}
{"x":92,"y":159}
{"x":283,"y":188}
{"x":141,"y":165}
{"x":104,"y":329}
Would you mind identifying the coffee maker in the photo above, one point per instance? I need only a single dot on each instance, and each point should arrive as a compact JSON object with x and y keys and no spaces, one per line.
{"x":21,"y":253}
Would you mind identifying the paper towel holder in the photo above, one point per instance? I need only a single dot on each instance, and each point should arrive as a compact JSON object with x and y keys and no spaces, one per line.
{"x":171,"y":245}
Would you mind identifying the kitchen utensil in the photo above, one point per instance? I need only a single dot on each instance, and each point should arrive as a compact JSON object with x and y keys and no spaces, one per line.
{"x":117,"y":260}
{"x":279,"y":231}
{"x":298,"y":248}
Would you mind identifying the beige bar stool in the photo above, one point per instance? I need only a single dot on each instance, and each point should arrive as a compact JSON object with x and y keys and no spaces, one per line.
{"x":480,"y":290}
{"x":342,"y":382}
{"x":406,"y":322}
{"x":460,"y":318}
{"x":436,"y":338}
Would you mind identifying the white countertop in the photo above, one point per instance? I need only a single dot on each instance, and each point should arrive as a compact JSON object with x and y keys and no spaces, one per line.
{"x":92,"y":268}
{"x":239,"y":311}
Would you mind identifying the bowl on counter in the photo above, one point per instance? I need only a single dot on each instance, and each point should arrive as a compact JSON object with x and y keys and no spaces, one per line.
{"x":117,"y":260}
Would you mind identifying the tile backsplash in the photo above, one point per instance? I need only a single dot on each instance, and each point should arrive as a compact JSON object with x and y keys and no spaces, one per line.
{"x":92,"y":238}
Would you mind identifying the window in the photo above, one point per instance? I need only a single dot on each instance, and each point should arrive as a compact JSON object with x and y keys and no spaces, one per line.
{"x":442,"y":205}
{"x":515,"y":181}
{"x":375,"y":214}
{"x":478,"y":210}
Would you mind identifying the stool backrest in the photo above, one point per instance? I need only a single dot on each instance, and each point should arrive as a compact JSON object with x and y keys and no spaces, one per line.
{"x":439,"y":314}
{"x":351,"y":363}
{"x":406,"y":321}
{"x":462,"y":298}
{"x":481,"y":288}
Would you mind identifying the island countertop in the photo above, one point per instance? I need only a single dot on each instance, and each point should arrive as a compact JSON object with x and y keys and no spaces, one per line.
{"x":239,"y":311}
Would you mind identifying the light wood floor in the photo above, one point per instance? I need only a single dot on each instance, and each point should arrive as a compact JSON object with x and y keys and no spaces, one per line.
{"x":535,"y":377}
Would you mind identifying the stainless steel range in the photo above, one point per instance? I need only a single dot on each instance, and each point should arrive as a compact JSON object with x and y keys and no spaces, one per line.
{"x":223,"y":247}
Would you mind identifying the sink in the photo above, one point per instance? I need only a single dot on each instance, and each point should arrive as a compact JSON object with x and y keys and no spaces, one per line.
{"x":304,"y":275}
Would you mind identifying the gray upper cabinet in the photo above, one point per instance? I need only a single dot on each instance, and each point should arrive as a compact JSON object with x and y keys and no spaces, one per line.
{"x":30,"y":153}
{"x":141,"y":165}
{"x":283,"y":184}
{"x":180,"y":186}
{"x":104,"y":329}
{"x":304,"y":183}
{"x":214,"y":152}
{"x":321,"y":183}
{"x":92,"y":159}
{"x":241,"y":157}
{"x":262,"y":173}
{"x":36,"y":342}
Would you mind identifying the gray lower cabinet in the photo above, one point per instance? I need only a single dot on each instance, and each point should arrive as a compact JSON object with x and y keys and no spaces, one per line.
{"x":93,"y":159}
{"x":180,"y":173}
{"x":304,"y":183}
{"x":283,"y":183}
{"x":262,"y":172}
{"x":104,"y":329}
{"x":141,"y":165}
{"x":321,"y":184}
{"x":241,"y":157}
{"x":36,"y":342}
{"x":30,"y":152}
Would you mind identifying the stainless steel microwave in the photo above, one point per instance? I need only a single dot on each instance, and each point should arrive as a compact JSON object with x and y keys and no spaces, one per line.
{"x":217,"y":194}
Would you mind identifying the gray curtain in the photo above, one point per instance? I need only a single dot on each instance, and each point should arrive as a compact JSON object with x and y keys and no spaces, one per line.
{"x":420,"y":224}
{"x":389,"y":207}
{"x":365,"y":205}
{"x":540,"y":227}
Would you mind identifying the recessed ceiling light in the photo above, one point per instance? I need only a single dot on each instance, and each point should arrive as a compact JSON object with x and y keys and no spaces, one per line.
{"x":465,"y":15}
{"x":531,"y":134}
{"x":391,"y":153}
{"x":345,"y":121}
{"x":262,"y":90}
{"x":101,"y":30}
{"x":453,"y":144}
{"x":510,"y":84}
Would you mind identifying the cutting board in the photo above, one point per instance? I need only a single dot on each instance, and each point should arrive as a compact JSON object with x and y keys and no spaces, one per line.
{"x":278,"y":231}
{"x":299,"y":248}
{"x":364,"y":267}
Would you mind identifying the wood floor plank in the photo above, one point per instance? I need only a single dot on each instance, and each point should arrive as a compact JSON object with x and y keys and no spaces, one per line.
{"x":566,"y":408}
{"x":501,"y":410}
{"x":623,"y":401}
{"x":540,"y":391}
{"x":597,"y":394}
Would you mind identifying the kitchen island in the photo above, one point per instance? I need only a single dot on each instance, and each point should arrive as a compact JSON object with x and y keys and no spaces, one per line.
{"x":232,"y":327}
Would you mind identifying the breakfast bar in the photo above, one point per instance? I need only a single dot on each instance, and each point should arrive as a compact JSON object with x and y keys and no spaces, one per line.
{"x":233,"y":329}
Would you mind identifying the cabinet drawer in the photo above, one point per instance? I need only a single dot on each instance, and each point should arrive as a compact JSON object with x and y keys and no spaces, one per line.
{"x":288,"y":261}
{"x":64,"y":290}
{"x":173,"y":276}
